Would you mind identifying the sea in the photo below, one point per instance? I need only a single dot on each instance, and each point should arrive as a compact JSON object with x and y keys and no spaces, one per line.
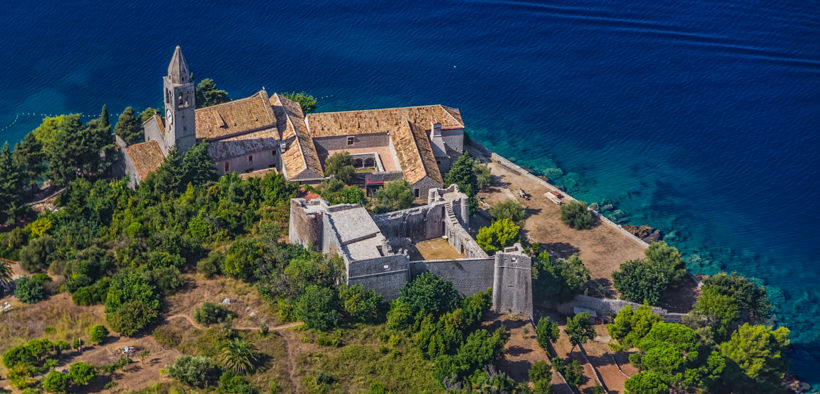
{"x":700,"y":118}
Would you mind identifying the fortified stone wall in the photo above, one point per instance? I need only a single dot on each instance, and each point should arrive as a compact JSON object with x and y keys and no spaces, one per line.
{"x":512,"y":282}
{"x":469,"y":276}
{"x":418,"y":223}
{"x":462,"y":241}
{"x":304,"y":228}
{"x":386,"y":275}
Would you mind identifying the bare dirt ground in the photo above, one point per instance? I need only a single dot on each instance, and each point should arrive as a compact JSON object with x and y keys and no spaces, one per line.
{"x":614,"y":368}
{"x":602,"y":248}
{"x":522,"y":350}
{"x":434,"y":249}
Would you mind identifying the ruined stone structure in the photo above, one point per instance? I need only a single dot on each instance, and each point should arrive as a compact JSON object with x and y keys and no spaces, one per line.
{"x":376,"y":249}
{"x":263,"y":132}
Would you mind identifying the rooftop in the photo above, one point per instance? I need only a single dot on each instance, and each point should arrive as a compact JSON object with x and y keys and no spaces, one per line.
{"x":146,"y":157}
{"x":235,"y":117}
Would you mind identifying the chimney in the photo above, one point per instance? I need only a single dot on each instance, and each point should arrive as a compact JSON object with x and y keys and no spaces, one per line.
{"x":435,"y":129}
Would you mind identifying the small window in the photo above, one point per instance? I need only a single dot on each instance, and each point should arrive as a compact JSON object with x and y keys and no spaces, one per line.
{"x":350,"y":140}
{"x":273,"y":153}
{"x":416,"y":191}
{"x":250,"y":158}
{"x":227,"y":167}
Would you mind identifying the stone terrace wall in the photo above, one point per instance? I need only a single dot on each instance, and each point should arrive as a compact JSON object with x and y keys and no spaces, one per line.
{"x":469,"y":276}
{"x":602,"y":306}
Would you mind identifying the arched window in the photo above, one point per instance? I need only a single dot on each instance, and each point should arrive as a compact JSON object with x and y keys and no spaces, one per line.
{"x":358,"y":163}
{"x":369,"y":162}
{"x":227,"y":167}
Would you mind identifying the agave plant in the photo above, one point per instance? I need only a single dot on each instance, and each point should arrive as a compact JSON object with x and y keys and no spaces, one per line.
{"x":239,"y":356}
{"x":5,"y":272}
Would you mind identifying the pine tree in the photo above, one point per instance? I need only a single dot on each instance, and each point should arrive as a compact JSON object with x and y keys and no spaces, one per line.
{"x":65,"y":151}
{"x":11,"y":201}
{"x":30,"y":157}
{"x":128,"y":128}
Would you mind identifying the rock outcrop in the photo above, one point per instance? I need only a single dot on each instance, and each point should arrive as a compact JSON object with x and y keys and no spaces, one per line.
{"x":644,"y":232}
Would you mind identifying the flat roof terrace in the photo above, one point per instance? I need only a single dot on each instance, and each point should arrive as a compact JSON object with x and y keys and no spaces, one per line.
{"x":433,"y":249}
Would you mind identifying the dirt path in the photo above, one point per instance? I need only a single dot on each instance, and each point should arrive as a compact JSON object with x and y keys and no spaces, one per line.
{"x":289,"y":341}
{"x":243,"y":328}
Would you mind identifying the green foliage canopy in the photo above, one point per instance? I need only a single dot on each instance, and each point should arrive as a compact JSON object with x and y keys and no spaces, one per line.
{"x":497,"y":236}
{"x":576,"y":215}
{"x":393,"y":196}
{"x":509,"y":209}
{"x":340,"y":166}
{"x":207,"y":94}
{"x":306,"y":101}
{"x":128,"y":128}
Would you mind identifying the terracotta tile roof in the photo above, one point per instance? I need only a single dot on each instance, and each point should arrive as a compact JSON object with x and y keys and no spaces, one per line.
{"x":301,"y":153}
{"x":146,"y":157}
{"x":265,"y":140}
{"x":234,"y":117}
{"x":414,"y":153}
{"x":326,"y":124}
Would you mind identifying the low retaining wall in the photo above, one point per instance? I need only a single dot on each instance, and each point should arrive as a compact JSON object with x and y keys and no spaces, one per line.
{"x":607,"y":306}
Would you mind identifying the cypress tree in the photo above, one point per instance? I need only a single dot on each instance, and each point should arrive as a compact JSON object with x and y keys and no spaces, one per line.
{"x":30,"y":157}
{"x":128,"y":128}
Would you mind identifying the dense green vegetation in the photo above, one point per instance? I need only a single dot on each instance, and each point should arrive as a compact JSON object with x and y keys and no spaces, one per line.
{"x":340,"y":166}
{"x":128,"y":127}
{"x":393,"y":196}
{"x":675,"y":357}
{"x":511,"y":210}
{"x":306,"y":101}
{"x":556,"y":279}
{"x":207,"y":94}
{"x":471,"y":176}
{"x":726,"y":302}
{"x":498,"y":235}
{"x":647,"y":280}
{"x":576,"y":215}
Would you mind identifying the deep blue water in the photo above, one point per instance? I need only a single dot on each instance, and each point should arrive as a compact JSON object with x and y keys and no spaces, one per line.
{"x":697,"y":117}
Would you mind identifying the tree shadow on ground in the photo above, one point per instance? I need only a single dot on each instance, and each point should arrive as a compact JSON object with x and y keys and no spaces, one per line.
{"x":681,"y":297}
{"x":561,"y":249}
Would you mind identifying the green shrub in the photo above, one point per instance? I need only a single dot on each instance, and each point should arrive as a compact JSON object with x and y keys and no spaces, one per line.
{"x":56,"y":382}
{"x":640,"y":281}
{"x":93,"y":294}
{"x":393,"y":196}
{"x":37,"y":255}
{"x":362,"y":305}
{"x":194,"y":371}
{"x":576,"y":215}
{"x":82,"y":373}
{"x":98,"y":334}
{"x":340,"y":166}
{"x":211,"y":265}
{"x":231,"y":383}
{"x":318,"y":308}
{"x":210,"y":313}
{"x":497,"y":236}
{"x":429,"y":293}
{"x":306,"y":101}
{"x":509,"y":209}
{"x":31,"y":290}
{"x":132,"y":317}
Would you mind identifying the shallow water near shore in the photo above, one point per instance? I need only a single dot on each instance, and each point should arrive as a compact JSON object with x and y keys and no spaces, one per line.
{"x":697,"y":118}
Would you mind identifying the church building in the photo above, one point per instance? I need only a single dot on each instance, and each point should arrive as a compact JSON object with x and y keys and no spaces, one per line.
{"x":263,"y":133}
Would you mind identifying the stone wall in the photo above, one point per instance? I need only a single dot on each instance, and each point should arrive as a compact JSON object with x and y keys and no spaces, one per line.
{"x":325,"y":144}
{"x":469,"y":276}
{"x":386,"y":275}
{"x":304,"y":228}
{"x":423,"y":186}
{"x":241,"y":164}
{"x":512,"y":282}
{"x":418,"y":223}
{"x":602,"y":306}
{"x":454,"y":139}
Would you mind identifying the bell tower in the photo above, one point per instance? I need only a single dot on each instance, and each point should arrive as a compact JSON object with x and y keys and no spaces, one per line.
{"x":180,"y":129}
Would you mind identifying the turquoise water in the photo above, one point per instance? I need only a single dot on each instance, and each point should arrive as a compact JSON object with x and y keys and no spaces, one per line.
{"x":695,"y":117}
